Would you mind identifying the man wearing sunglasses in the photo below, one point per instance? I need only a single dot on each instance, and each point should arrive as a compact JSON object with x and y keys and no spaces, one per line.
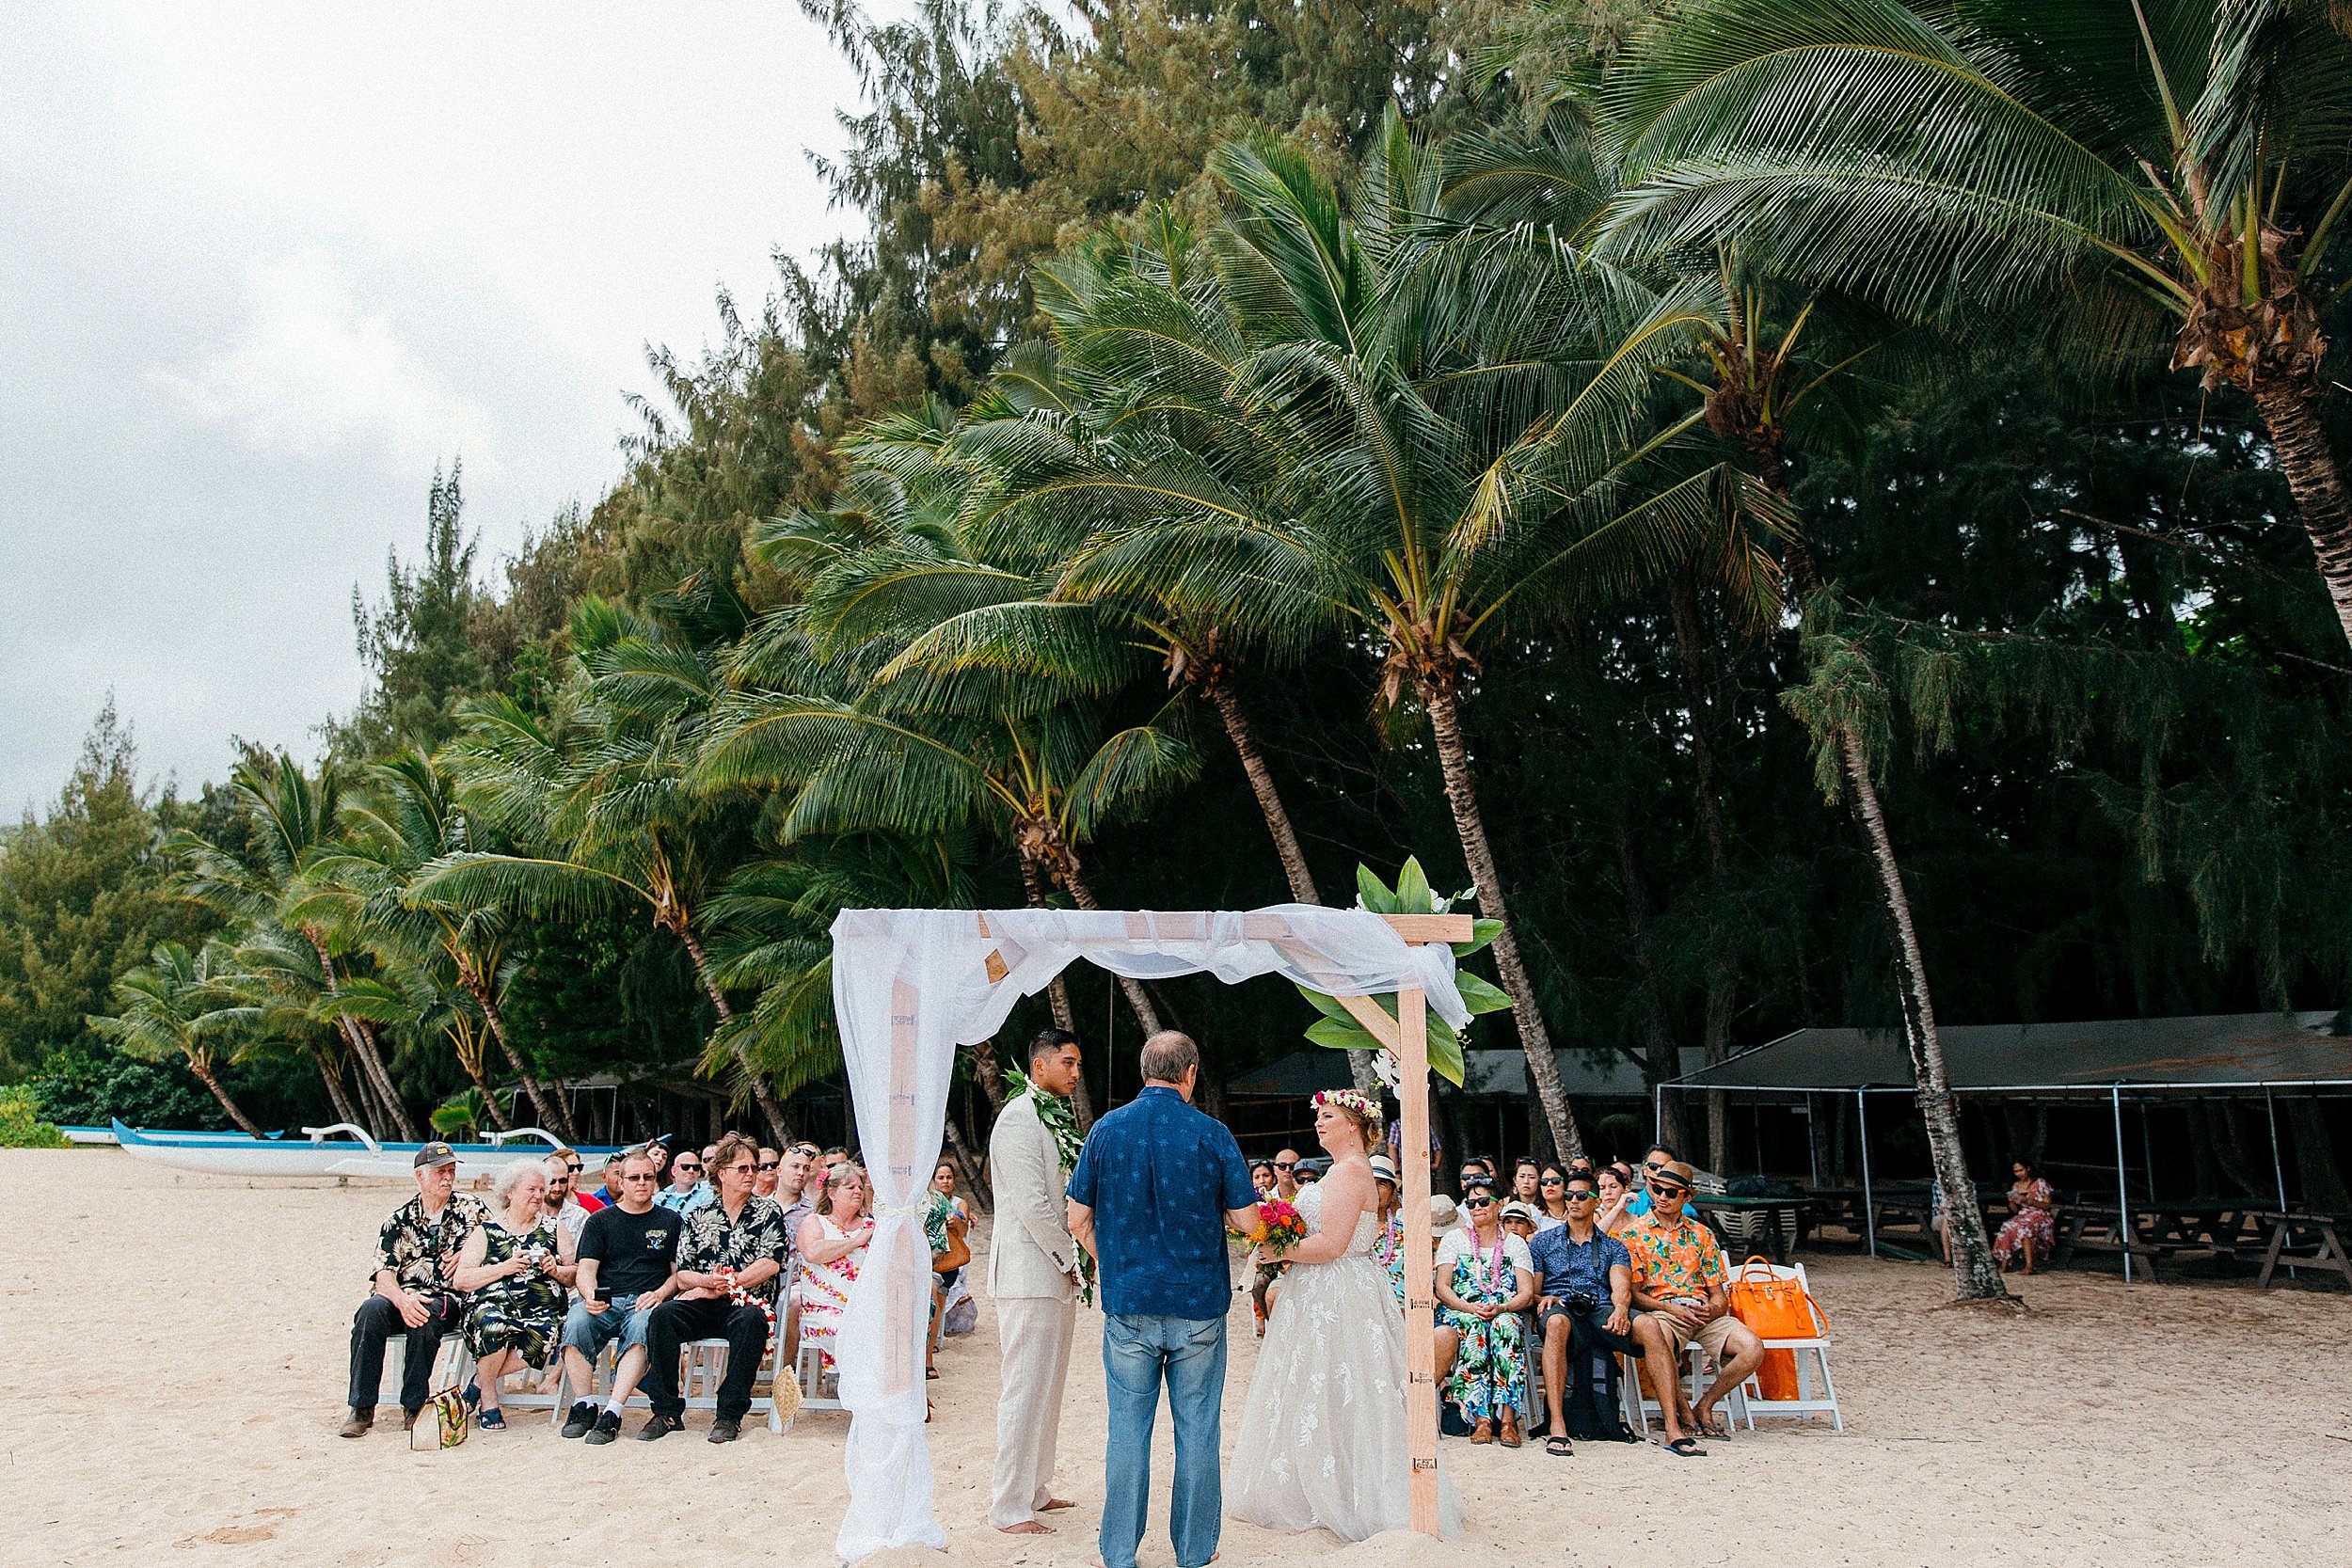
{"x":1659,"y":1157}
{"x":1681,"y":1283}
{"x":624,"y":1254}
{"x":1585,"y":1310}
{"x":687,"y":1191}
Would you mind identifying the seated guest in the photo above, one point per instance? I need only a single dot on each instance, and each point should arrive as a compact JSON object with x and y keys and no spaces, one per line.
{"x":516,"y":1278}
{"x":834,"y":1158}
{"x":1389,"y":1249}
{"x":945,"y":1224}
{"x":413,"y":1296}
{"x":1484,"y":1280}
{"x":1585,"y":1310}
{"x":728,"y":1262}
{"x":686,"y":1192}
{"x":1617,"y":1192}
{"x":832,"y":1250}
{"x":1262,"y":1177}
{"x":2032,"y":1224}
{"x":564,"y":1205}
{"x":1679,"y":1283}
{"x":627,"y":1254}
{"x":1527,"y":1183}
{"x":1659,"y":1157}
{"x":575,"y":1168}
{"x":770,"y":1164}
{"x":1519,"y":1219}
{"x":1551,"y":1202}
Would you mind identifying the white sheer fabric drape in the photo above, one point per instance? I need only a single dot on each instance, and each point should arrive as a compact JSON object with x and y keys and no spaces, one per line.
{"x":910,"y":986}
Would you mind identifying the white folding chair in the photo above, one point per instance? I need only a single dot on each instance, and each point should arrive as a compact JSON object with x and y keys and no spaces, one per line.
{"x":808,"y":1369}
{"x":1692,"y":1369}
{"x":452,"y":1350}
{"x":1810,"y":1400}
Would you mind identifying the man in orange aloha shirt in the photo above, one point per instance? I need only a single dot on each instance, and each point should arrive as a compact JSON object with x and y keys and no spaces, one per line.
{"x":1678,"y":1285}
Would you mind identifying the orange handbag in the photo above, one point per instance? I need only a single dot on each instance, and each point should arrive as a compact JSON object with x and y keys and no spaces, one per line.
{"x":1776,"y":1308}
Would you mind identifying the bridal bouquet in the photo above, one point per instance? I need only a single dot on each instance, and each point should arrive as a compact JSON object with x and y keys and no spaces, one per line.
{"x":1278,"y":1228}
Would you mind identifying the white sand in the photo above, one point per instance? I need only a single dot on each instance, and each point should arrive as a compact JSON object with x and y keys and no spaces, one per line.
{"x":175,"y":1347}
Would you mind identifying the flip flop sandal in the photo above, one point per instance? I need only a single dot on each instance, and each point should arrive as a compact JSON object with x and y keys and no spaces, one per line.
{"x":1685,"y":1447}
{"x":1559,"y":1447}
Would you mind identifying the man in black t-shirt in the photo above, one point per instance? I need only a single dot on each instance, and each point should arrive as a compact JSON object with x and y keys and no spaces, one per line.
{"x":628,"y":1258}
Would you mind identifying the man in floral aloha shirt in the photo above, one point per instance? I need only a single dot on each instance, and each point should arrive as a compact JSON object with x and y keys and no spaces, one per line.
{"x":1681,"y":1287}
{"x":730,"y":1261}
{"x":411,"y":1295}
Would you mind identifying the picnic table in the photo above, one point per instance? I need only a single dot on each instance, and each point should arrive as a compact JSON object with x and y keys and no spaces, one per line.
{"x":2303,"y":1239}
{"x":2105,"y":1227}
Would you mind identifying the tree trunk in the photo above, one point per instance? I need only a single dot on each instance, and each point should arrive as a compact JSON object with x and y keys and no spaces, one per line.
{"x":967,"y":1167}
{"x":337,"y":1095}
{"x":763,"y":1092}
{"x":1277,"y":822}
{"x":1975,"y":1277}
{"x":362,"y":1042}
{"x":1722,"y":978}
{"x":1661,"y":1041}
{"x":1543,"y":1070}
{"x":468,"y":1053}
{"x":203,"y":1070}
{"x":2301,"y":443}
{"x":1141,"y":1005}
{"x":553,"y":1114}
{"x":1057,"y":1002}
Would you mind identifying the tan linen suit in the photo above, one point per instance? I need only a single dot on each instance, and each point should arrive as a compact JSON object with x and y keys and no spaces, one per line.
{"x":1030,"y":1260}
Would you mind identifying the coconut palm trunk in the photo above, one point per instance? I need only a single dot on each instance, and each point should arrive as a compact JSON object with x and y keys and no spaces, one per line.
{"x":337,"y":1095}
{"x":363,"y":1048}
{"x":1461,"y":794}
{"x":1138,"y":1000}
{"x":199,"y":1064}
{"x":2299,"y":441}
{"x":1975,"y":1276}
{"x":1033,"y":879}
{"x":551,"y":1111}
{"x":763,"y":1092}
{"x":1278,"y":823}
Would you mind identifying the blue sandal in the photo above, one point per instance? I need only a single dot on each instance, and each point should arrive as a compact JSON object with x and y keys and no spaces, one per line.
{"x":492,"y":1421}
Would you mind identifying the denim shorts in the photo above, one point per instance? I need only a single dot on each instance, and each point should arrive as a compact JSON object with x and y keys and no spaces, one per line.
{"x":590,"y":1332}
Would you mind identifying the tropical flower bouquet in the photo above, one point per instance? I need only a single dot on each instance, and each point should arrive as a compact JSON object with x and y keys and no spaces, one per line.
{"x":1278,"y":1228}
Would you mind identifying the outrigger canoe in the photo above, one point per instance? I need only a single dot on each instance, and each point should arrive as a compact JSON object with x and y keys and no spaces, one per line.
{"x":341,"y":1149}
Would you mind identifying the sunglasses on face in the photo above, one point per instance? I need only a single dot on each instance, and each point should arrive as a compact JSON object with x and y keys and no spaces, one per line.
{"x":575,"y":1166}
{"x":1285,"y":1164}
{"x":640,"y":1176}
{"x":770,"y":1165}
{"x":1668,"y":1189}
{"x":1583,"y":1195}
{"x":1478,"y":1203}
{"x":1653,"y":1164}
{"x":1552,"y":1182}
{"x":684,"y":1166}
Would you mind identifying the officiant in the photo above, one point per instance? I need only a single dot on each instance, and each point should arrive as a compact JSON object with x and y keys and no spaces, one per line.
{"x":1034,"y":1276}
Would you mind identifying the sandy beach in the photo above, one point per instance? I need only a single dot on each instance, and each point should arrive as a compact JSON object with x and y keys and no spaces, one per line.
{"x":176,"y":1346}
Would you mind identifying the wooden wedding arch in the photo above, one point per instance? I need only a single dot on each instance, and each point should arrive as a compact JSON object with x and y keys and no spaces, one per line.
{"x":904,"y":979}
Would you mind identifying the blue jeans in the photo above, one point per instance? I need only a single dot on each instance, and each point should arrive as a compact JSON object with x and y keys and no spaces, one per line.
{"x":1137,"y":1353}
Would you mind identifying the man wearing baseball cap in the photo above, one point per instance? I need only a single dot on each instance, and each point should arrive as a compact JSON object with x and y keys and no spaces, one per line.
{"x":1681,"y":1285}
{"x":412,"y":1295}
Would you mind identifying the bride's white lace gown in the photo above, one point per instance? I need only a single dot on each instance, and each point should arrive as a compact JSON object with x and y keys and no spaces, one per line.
{"x":1323,"y":1439}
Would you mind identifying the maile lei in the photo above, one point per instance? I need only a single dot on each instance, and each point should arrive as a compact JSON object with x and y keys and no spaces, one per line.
{"x":1062,"y":1122}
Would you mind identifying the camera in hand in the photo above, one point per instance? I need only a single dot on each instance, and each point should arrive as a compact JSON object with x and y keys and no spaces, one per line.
{"x":1583,"y":1304}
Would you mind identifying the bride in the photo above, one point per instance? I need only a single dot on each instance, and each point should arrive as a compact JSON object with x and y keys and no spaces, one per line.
{"x":1323,"y":1437}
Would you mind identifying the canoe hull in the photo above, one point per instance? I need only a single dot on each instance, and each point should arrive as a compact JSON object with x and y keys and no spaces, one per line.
{"x":234,"y":1154}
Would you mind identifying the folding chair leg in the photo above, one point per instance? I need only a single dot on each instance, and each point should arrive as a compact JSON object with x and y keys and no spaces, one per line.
{"x":1829,"y":1389}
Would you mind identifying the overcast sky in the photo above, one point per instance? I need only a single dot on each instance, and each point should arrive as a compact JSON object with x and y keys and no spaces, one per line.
{"x":263,"y":266}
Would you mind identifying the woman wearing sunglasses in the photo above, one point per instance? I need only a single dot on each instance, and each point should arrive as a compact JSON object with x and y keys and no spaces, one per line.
{"x":1484,"y":1279}
{"x":1551,"y":1200}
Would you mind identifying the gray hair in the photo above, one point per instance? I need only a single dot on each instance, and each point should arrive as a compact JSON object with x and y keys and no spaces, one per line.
{"x":512,"y":1172}
{"x":1167,"y":1055}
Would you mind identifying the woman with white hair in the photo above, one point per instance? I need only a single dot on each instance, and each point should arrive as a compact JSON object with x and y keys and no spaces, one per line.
{"x":512,"y":1266}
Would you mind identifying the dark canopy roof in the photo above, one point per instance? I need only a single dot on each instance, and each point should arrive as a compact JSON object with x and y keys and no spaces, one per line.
{"x":2223,"y":1051}
{"x":1486,"y":1075}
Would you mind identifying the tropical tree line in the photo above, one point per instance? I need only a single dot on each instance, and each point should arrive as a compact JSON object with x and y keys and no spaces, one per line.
{"x":1814,"y":515}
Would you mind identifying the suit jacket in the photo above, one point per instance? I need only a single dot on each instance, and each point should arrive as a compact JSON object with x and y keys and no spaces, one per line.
{"x":1031,"y":1252}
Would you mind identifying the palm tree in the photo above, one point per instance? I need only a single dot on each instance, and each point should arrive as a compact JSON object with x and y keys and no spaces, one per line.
{"x":600,"y":800}
{"x":177,"y":1006}
{"x":1343,"y":424}
{"x":295,"y":817}
{"x":2135,"y":172}
{"x":407,"y":818}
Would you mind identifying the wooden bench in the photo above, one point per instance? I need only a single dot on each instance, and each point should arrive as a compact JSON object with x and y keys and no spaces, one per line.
{"x":2105,"y":1227}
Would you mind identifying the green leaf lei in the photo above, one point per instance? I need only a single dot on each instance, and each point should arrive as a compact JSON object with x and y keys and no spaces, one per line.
{"x":1062,"y":1122}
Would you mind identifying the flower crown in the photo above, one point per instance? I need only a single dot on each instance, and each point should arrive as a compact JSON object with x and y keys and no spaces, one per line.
{"x":1354,"y":1101}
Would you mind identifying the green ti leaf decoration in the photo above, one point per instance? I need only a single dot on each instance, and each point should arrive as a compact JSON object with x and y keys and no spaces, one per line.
{"x":1338,"y":1029}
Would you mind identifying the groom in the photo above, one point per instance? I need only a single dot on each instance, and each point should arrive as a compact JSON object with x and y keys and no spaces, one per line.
{"x":1033,"y":1276}
{"x":1151,"y":1197}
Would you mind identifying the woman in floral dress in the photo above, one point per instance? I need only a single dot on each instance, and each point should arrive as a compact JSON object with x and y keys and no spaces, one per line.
{"x":2032,"y":1224}
{"x":1388,"y":1250}
{"x":832,"y":1250}
{"x":1484,"y":1279}
{"x":512,"y":1265}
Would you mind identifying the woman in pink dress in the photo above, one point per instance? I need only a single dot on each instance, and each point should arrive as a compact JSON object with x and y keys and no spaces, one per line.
{"x":832,"y":1250}
{"x":2032,"y":1224}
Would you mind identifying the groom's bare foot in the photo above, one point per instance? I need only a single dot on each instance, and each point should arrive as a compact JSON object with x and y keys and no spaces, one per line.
{"x":1026,"y":1527}
{"x":1054,"y":1503}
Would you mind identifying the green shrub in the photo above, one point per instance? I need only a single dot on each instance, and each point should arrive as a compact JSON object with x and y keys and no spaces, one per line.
{"x":21,"y":1126}
{"x":82,"y":1087}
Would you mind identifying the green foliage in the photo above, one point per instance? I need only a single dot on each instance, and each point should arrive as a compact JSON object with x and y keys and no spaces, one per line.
{"x":418,"y":643}
{"x":21,"y":1126}
{"x":461,"y":1117}
{"x":88,"y":1085}
{"x":1339,"y":1030}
